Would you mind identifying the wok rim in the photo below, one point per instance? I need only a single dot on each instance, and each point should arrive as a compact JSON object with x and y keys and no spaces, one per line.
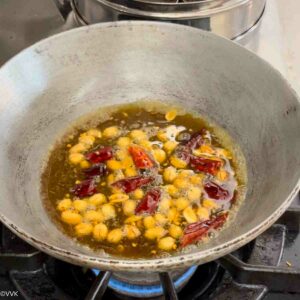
{"x":156,"y":264}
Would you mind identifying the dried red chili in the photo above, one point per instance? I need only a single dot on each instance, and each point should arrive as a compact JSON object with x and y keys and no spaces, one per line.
{"x":149,"y":203}
{"x":215,"y":191}
{"x":85,"y":188}
{"x":196,"y":231}
{"x":140,"y":158}
{"x":100,"y":155}
{"x":195,"y":141}
{"x":205,"y":165}
{"x":130,"y":184}
{"x":184,"y":150}
{"x":96,"y":170}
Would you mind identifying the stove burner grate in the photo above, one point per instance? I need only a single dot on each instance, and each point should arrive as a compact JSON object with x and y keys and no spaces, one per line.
{"x":147,"y":291}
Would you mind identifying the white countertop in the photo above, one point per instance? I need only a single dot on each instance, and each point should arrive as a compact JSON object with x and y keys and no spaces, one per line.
{"x":279,"y":39}
{"x":289,"y":17}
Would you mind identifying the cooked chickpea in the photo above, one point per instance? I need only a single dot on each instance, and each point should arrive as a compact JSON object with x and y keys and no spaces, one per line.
{"x":131,"y":231}
{"x":149,"y":222}
{"x":78,"y":148}
{"x":95,"y":133}
{"x":138,"y":194}
{"x":76,"y":158}
{"x":111,"y":132}
{"x":70,"y":217}
{"x":190,"y":215}
{"x":194,"y":193}
{"x":159,"y":155}
{"x":83,"y":229}
{"x":171,"y":115}
{"x":93,"y":216}
{"x":222,"y":175}
{"x":118,"y":197}
{"x":114,"y":164}
{"x":203,"y":213}
{"x":129,"y":207}
{"x":130,"y":172}
{"x":138,"y":135}
{"x":175,"y":231}
{"x":210,"y":204}
{"x":64,"y":204}
{"x":167,"y":243}
{"x":181,"y":203}
{"x":133,"y":219}
{"x":110,"y":179}
{"x":114,"y":189}
{"x":177,"y":162}
{"x":162,"y":135}
{"x":100,"y":232}
{"x":154,"y":233}
{"x":115,"y":236}
{"x":169,"y":174}
{"x":127,"y":162}
{"x":86,"y":139}
{"x":160,"y":219}
{"x":181,"y":183}
{"x":197,"y":179}
{"x":97,"y":199}
{"x":122,"y":154}
{"x":84,"y":164}
{"x":172,"y":215}
{"x":123,"y":141}
{"x":108,"y":211}
{"x":169,"y":146}
{"x":172,"y":190}
{"x":205,"y":148}
{"x":146,"y":144}
{"x":165,"y":204}
{"x":80,"y":205}
{"x":185,"y":174}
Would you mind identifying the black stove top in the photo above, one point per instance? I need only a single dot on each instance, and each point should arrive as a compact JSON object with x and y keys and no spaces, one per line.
{"x":267,"y":268}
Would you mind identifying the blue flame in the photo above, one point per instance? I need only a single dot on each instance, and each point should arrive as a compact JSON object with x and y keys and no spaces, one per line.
{"x":145,"y":290}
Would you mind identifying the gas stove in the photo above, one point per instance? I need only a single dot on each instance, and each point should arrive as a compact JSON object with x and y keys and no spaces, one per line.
{"x":267,"y":268}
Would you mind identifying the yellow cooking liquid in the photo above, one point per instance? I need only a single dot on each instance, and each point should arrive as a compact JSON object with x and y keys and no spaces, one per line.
{"x":104,"y":205}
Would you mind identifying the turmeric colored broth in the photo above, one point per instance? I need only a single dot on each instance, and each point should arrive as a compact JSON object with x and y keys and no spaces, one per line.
{"x":189,"y":181}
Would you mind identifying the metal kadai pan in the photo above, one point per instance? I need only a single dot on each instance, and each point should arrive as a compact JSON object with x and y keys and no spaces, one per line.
{"x":49,"y":85}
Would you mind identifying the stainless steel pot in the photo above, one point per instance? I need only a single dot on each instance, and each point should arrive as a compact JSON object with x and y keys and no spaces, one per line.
{"x":229,"y":18}
{"x":49,"y":85}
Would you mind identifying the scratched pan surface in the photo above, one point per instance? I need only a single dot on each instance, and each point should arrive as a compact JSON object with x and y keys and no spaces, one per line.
{"x":52,"y":83}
